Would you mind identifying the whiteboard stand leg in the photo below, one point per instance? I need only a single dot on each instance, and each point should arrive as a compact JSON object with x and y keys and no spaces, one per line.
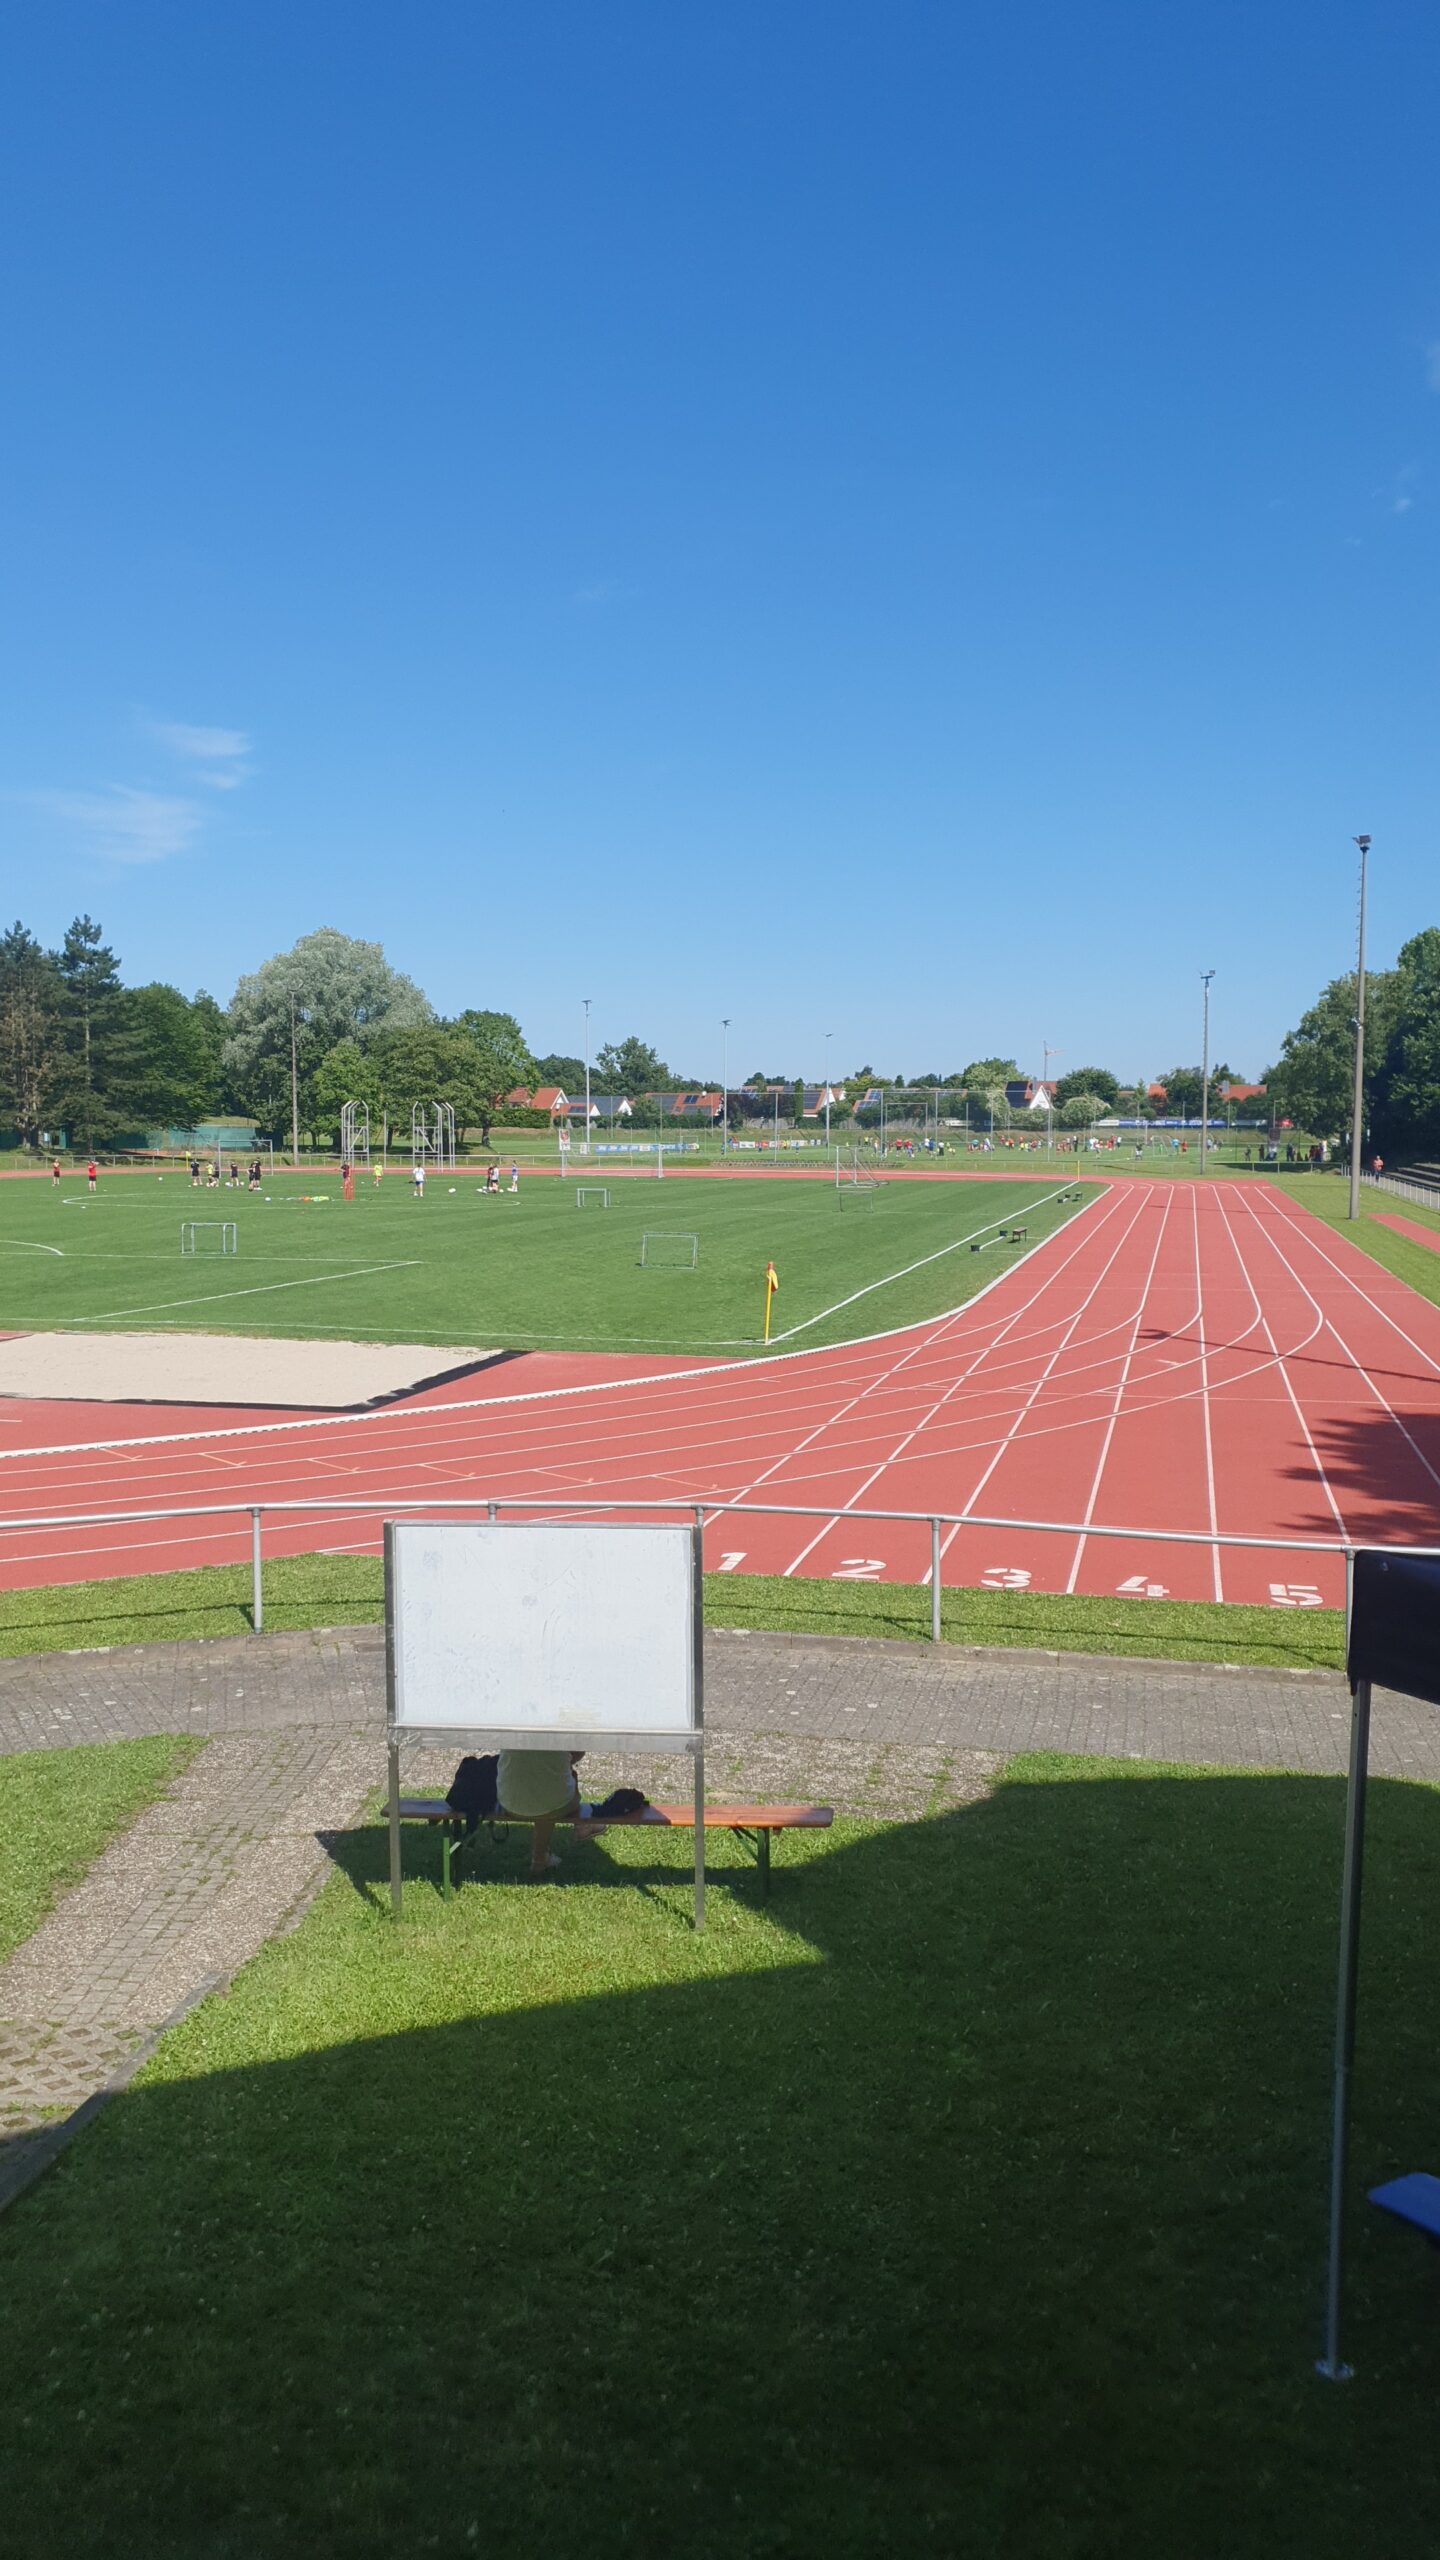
{"x":395,"y":1828}
{"x":699,"y":1839}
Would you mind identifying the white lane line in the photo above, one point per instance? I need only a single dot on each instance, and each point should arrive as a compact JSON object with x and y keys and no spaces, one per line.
{"x":18,"y":1244}
{"x":1080,"y":1421}
{"x":1016,"y":1219}
{"x":1215,"y":1552}
{"x":1325,"y":1486}
{"x":1100,"y":1463}
{"x":696,"y":1376}
{"x":262,"y":1289}
{"x":1302,"y":1231}
{"x":1357,"y":1364}
{"x":896,"y":1454}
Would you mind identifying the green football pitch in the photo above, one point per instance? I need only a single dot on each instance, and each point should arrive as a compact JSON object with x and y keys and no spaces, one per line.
{"x":534,"y":1271}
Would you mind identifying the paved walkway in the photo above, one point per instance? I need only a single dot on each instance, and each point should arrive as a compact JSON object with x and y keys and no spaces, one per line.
{"x":235,"y":1849}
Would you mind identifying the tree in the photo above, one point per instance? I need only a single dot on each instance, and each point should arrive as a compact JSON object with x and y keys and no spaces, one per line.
{"x":29,"y":1031}
{"x":170,"y":1063}
{"x":568,"y":1073}
{"x":1184,"y":1088}
{"x":1082,"y":1110}
{"x":629,"y":1067}
{"x":91,"y":1095}
{"x":1312,"y":1083}
{"x":344,"y":1074}
{"x":492,"y":1063}
{"x":210,"y":1027}
{"x":1089,"y":1080}
{"x":995,"y":1105}
{"x":1405,"y":1111}
{"x":983,"y":1074}
{"x":337,"y":988}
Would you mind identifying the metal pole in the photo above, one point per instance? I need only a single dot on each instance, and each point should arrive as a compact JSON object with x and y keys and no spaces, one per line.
{"x":827,"y":1088}
{"x":935,"y":1581}
{"x":1330,"y":2364}
{"x":1205,"y":977}
{"x":294,"y":1089}
{"x":1358,"y":1108}
{"x":586,"y":1001}
{"x":698,"y":1638}
{"x":395,"y":1885}
{"x":725,"y":1083}
{"x":257,"y":1596}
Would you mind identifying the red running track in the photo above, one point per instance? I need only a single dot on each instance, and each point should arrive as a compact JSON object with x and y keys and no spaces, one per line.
{"x":1179,"y":1357}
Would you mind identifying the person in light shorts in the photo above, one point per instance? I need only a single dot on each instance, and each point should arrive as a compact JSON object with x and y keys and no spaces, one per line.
{"x":541,"y":1788}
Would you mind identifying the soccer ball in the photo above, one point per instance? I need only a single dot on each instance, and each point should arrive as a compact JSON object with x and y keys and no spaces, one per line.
{"x":453,"y":1188}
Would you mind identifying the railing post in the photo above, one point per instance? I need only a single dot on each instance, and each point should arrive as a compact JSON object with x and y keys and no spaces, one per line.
{"x":257,"y":1594}
{"x":935,"y":1580}
{"x":492,"y":1510}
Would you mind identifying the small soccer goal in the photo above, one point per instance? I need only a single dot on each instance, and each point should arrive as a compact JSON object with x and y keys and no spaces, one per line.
{"x":591,"y":1195}
{"x":208,"y":1235}
{"x":666,"y":1249}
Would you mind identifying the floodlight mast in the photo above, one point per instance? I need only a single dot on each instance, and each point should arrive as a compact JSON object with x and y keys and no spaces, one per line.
{"x":724,"y":1082}
{"x":586,"y":1001}
{"x":1205,"y":977}
{"x":1358,"y":1104}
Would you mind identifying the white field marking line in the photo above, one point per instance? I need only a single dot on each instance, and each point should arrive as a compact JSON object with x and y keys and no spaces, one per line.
{"x":896,"y":1455}
{"x":262,"y":1289}
{"x":1315,"y":1460}
{"x":18,"y":1244}
{"x":1303,"y":1232}
{"x":834,"y":1417}
{"x":1205,"y":1393}
{"x":551,"y":1395}
{"x":1000,"y":1448}
{"x":789,"y":1332}
{"x":1357,"y":1364}
{"x":1100,"y":1464}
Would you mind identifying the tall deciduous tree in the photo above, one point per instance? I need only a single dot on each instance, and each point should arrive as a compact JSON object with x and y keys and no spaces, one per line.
{"x":29,"y":1031}
{"x":630,"y":1067}
{"x":1406,"y":1108}
{"x":494,"y":1062}
{"x":983,"y":1074}
{"x":170,"y":1058}
{"x":1088,"y":1080}
{"x":335,"y":989}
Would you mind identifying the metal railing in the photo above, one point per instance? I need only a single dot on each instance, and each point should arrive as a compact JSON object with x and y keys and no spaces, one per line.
{"x":1422,"y":1195}
{"x":704,"y":1514}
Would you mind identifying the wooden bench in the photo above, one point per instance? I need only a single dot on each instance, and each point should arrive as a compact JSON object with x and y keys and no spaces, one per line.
{"x":754,"y":1825}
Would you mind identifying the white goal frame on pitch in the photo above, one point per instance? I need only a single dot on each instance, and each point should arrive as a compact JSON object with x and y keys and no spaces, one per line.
{"x":224,"y":1227}
{"x":585,"y":1192}
{"x":544,"y":1635}
{"x":669,"y":1235}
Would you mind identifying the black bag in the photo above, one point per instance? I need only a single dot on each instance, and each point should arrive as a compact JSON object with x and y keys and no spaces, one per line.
{"x":475,"y":1789}
{"x":620,"y":1801}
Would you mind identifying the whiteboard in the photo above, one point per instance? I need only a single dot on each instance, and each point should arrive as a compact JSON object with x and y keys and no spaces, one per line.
{"x":579,"y":1627}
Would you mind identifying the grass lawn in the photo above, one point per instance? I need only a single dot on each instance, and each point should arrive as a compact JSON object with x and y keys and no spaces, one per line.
{"x":1329,"y":1196}
{"x":532,"y":1272}
{"x":59,"y":1809}
{"x":971,"y":2198}
{"x":327,"y":1591}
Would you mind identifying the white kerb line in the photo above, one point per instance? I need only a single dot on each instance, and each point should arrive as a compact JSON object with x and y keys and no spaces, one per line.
{"x":1081,"y":1421}
{"x":896,"y":1454}
{"x":1123,"y":1382}
{"x":790,"y":1331}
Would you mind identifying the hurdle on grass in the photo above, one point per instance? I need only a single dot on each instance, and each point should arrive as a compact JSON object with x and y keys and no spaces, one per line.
{"x":196,"y":1232}
{"x":668,"y":1249}
{"x":542,"y":1635}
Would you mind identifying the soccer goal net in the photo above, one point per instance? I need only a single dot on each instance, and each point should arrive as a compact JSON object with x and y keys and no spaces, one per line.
{"x":208,"y":1235}
{"x":591,"y":1195}
{"x":665,"y":1249}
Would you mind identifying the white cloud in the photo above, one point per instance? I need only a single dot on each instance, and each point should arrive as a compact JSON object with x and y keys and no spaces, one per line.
{"x":125,"y":825}
{"x":219,"y":755}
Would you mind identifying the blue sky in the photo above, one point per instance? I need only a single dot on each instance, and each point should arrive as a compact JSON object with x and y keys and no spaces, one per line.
{"x":900,"y":520}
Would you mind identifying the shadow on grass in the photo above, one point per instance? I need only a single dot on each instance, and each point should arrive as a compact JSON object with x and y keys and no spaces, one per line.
{"x":970,"y":2199}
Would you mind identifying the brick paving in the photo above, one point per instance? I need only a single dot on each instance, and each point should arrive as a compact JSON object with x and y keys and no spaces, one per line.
{"x":236,"y":1847}
{"x":821,"y":1688}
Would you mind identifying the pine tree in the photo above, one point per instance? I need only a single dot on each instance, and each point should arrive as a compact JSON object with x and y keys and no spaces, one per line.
{"x":93,"y":1081}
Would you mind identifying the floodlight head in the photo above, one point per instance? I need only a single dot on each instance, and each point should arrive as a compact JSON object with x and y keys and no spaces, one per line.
{"x":1363,"y":842}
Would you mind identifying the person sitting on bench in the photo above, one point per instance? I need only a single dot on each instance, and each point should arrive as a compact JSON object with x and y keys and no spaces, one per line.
{"x":540,"y":1787}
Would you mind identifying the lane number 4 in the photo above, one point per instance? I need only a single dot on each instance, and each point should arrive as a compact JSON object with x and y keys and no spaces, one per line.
{"x":1138,"y":1588}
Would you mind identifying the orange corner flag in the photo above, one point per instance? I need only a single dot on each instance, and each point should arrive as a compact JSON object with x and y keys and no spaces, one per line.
{"x":772,"y":1283}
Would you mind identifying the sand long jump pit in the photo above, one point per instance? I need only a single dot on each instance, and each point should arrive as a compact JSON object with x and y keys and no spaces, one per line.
{"x":220,"y":1368}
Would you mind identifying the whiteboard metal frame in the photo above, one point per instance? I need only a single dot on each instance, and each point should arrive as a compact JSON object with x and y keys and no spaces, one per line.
{"x":689,"y":1738}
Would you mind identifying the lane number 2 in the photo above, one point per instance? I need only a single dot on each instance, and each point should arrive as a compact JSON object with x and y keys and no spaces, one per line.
{"x":858,"y":1569}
